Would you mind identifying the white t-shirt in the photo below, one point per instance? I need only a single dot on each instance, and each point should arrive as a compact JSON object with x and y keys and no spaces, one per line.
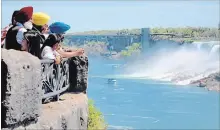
{"x":49,"y":53}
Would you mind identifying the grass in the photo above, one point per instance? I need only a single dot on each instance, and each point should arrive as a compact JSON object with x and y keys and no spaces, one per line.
{"x":96,"y":119}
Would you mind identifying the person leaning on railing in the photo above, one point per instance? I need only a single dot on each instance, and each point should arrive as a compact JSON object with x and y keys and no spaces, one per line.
{"x":52,"y":47}
{"x":48,"y":50}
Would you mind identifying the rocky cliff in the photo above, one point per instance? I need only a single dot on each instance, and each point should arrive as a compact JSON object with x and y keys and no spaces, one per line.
{"x":212,"y":82}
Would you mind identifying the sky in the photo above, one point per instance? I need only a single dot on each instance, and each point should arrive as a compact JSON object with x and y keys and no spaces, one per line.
{"x":106,"y":15}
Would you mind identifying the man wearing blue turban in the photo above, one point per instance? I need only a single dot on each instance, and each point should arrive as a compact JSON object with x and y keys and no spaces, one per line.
{"x":59,"y":27}
{"x":52,"y":44}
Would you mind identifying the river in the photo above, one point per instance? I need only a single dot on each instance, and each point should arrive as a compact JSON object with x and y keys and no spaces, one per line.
{"x":141,"y":102}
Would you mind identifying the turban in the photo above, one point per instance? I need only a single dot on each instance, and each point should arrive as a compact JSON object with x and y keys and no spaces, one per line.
{"x":40,"y":18}
{"x":24,"y":14}
{"x":59,"y":27}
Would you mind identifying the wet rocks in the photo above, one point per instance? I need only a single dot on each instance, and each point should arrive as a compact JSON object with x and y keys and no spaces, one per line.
{"x":212,"y":82}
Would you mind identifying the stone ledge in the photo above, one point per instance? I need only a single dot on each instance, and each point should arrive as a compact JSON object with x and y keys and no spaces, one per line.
{"x":71,"y":112}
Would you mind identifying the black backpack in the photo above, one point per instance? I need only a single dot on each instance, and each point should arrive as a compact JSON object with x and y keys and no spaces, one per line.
{"x":34,"y":39}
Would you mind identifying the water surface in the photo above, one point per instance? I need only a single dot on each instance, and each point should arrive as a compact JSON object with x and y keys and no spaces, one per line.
{"x":150,"y":104}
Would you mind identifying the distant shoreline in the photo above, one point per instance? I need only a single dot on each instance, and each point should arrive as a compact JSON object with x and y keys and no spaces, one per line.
{"x":184,"y":35}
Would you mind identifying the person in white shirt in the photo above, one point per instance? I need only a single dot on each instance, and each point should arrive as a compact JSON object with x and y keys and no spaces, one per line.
{"x":48,"y":50}
{"x":60,"y":28}
{"x":51,"y":49}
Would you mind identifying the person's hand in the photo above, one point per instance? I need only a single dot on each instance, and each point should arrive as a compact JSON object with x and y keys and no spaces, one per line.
{"x":80,"y":52}
{"x":58,"y":60}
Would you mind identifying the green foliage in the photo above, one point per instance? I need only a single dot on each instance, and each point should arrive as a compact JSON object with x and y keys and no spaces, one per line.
{"x":131,"y":49}
{"x":125,"y":53}
{"x":94,"y":43}
{"x":96,"y":119}
{"x":189,"y":31}
{"x":184,"y":31}
{"x":135,"y":46}
{"x":106,"y":32}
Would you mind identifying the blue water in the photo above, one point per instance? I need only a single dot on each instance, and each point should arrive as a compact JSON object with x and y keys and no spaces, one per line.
{"x":148,"y":104}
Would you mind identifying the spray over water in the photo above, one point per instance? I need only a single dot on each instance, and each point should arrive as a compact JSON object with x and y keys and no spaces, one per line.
{"x":180,"y":64}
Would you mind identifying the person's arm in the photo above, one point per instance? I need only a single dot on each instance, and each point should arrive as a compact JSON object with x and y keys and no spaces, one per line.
{"x":70,"y":50}
{"x":70,"y":54}
{"x":66,"y":49}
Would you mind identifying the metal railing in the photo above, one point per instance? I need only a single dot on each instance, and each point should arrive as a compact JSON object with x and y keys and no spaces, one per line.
{"x":55,"y":78}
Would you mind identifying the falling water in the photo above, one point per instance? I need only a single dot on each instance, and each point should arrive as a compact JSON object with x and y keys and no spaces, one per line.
{"x":179,"y":64}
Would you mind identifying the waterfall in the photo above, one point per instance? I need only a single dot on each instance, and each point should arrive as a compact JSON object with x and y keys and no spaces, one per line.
{"x":215,"y":50}
{"x":179,"y":64}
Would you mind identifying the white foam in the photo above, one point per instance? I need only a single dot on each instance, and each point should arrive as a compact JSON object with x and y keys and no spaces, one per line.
{"x":181,"y":65}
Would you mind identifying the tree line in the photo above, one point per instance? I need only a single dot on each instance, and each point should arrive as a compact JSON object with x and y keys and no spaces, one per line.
{"x":184,"y":31}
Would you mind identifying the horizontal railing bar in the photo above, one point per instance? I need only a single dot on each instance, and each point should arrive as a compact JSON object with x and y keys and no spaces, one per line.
{"x":55,"y":92}
{"x":45,"y":61}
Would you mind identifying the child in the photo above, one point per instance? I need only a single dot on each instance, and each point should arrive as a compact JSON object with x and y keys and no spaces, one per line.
{"x":48,"y":50}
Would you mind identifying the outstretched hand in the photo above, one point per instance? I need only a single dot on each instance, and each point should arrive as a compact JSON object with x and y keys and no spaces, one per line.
{"x":80,"y":51}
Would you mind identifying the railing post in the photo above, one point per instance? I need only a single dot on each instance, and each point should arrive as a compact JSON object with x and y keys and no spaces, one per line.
{"x":57,"y":79}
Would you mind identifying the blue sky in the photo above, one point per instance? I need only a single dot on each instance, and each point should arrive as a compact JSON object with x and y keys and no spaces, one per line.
{"x":100,"y":15}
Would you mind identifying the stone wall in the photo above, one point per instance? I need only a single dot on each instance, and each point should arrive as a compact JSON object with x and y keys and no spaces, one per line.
{"x":70,"y":113}
{"x":21,"y":95}
{"x":20,"y":88}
